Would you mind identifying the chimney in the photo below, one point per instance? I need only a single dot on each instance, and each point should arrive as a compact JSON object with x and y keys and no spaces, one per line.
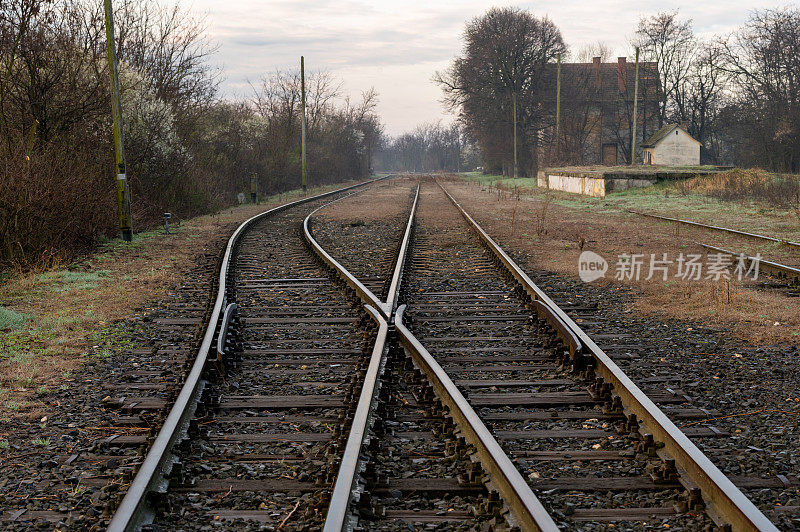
{"x":598,"y":80}
{"x":622,"y":74}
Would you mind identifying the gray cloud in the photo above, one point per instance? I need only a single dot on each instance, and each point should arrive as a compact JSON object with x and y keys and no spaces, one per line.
{"x":396,"y":46}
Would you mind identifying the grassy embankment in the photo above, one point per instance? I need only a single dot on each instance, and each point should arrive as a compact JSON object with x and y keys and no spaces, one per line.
{"x":748,"y":200}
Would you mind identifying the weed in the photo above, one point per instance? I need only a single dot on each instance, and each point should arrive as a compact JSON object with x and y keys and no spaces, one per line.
{"x":782,"y":191}
{"x":4,"y":445}
{"x":110,"y":340}
{"x":540,"y":216}
{"x":11,"y":320}
{"x":40,"y":442}
{"x":26,"y":382}
{"x":514,"y":217}
{"x":70,"y":280}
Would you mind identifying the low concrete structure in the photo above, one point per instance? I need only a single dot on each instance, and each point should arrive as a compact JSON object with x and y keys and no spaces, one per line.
{"x":599,"y":181}
{"x":671,"y":145}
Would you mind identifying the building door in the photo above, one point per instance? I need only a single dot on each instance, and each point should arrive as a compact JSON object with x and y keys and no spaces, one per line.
{"x":610,"y":154}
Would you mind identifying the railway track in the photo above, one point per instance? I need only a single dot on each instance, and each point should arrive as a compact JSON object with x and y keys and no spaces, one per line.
{"x":480,"y":404}
{"x":267,"y":398}
{"x":542,"y":413}
{"x":746,"y":234}
{"x":779,"y":271}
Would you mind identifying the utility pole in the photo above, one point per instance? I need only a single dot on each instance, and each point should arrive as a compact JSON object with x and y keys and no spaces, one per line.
{"x":635,"y":108}
{"x":514,"y":113}
{"x":123,"y":190}
{"x":303,"y":118}
{"x":558,"y":107}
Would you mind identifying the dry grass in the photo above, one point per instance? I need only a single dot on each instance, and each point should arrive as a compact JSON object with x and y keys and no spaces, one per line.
{"x":555,"y":240}
{"x":776,"y":190}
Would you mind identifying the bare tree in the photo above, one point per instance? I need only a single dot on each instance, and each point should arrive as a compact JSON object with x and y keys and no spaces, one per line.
{"x":587,"y":52}
{"x":764,"y":59}
{"x":670,"y":42}
{"x":580,"y":116}
{"x":700,"y":97}
{"x":169,"y":45}
{"x":505,"y":52}
{"x":429,"y":148}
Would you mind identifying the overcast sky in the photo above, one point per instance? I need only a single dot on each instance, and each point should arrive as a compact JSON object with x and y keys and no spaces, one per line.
{"x":396,"y":46}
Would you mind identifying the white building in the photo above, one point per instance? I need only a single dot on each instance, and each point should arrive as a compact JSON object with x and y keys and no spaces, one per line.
{"x":673,"y":146}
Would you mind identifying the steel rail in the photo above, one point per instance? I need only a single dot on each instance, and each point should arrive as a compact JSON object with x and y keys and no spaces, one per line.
{"x":133,"y":511}
{"x":230,"y":311}
{"x":725,"y":502}
{"x":399,"y":266}
{"x":717,"y":228}
{"x":364,"y":293}
{"x":779,"y":270}
{"x":338,"y":516}
{"x":524,"y":505}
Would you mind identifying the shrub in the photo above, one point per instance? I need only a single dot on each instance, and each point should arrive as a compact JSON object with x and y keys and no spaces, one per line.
{"x":777,"y":190}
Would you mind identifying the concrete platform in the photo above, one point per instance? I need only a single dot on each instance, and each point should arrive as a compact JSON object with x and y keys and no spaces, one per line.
{"x":597,"y":181}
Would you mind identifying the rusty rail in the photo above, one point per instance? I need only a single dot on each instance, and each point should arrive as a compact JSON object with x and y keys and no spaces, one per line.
{"x":346,"y":485}
{"x":338,"y":517}
{"x":726,"y":504}
{"x":779,"y":270}
{"x":718,"y":228}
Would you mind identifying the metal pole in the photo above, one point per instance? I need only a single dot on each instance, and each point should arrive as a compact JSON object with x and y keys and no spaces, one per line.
{"x":123,"y":190}
{"x":558,"y":107}
{"x":303,"y":118}
{"x":514,"y":113}
{"x":635,"y":108}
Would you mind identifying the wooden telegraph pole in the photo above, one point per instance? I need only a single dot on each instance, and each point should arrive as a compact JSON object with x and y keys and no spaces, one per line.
{"x":635,"y":109}
{"x":558,"y":106}
{"x":303,"y":119}
{"x":514,"y":113}
{"x":123,"y":190}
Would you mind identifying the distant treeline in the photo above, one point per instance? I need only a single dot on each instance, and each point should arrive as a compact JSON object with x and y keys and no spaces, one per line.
{"x":188,"y":151}
{"x":739,"y":94}
{"x":429,"y":148}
